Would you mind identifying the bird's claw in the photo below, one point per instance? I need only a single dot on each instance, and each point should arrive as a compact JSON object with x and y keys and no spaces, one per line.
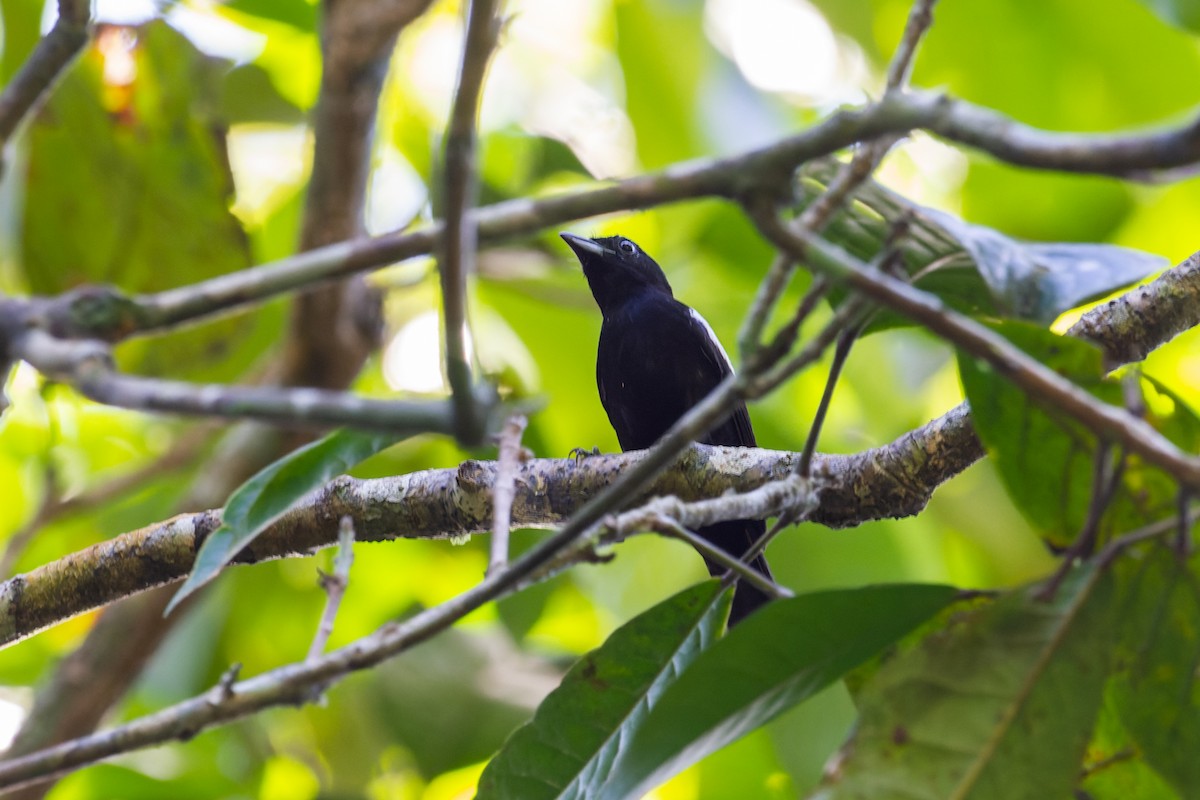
{"x":578,"y":454}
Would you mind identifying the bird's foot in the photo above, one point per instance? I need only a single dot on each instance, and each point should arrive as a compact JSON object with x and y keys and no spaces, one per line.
{"x":579,"y":454}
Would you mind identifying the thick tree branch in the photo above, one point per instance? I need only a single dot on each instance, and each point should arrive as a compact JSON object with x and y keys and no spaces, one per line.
{"x":896,"y":480}
{"x":113,"y":316}
{"x":1130,"y":327}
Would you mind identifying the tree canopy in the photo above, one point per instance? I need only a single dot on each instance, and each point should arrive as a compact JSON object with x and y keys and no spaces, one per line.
{"x":291,"y":343}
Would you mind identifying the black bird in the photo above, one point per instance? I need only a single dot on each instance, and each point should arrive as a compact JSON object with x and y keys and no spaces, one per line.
{"x":657,"y":358}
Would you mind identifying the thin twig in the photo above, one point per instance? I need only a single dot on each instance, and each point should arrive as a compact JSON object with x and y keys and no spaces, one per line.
{"x":287,"y":685}
{"x":664,"y":524}
{"x":841,"y":352}
{"x":507,"y":459}
{"x":818,"y":214}
{"x":334,"y":586}
{"x":812,"y":220}
{"x":920,"y":19}
{"x":87,"y":366}
{"x":460,"y":236}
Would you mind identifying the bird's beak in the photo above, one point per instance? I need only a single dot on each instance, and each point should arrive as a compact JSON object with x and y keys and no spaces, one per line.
{"x":582,"y":245}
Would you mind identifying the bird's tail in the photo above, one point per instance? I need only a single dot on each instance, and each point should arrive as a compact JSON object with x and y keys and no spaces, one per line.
{"x":735,"y":538}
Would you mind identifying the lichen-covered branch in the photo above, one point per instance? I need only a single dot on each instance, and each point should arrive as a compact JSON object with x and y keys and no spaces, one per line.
{"x":1128,"y":328}
{"x":891,"y":481}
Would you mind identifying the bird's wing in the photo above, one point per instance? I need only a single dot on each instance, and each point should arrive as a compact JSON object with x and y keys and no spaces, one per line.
{"x":736,"y":429}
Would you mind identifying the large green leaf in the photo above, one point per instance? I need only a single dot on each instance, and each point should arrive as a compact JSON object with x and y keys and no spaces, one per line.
{"x":776,"y":658}
{"x":1044,"y":457}
{"x":973,"y":268}
{"x":583,"y":726}
{"x":998,"y":705}
{"x":1114,"y":769}
{"x":129,"y":153}
{"x":1156,"y":693}
{"x":273,"y":490}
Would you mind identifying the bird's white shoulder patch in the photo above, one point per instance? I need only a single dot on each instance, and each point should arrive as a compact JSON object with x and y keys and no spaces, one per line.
{"x":712,"y":337}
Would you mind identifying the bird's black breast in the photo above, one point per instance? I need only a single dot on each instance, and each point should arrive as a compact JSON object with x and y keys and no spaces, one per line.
{"x":655,"y":361}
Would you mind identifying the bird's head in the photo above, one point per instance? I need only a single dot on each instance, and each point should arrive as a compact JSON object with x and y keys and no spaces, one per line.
{"x":616,"y":269}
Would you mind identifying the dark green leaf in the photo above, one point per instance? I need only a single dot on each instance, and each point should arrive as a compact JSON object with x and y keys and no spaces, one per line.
{"x":779,"y":656}
{"x":137,"y":163}
{"x":584,"y":724}
{"x":300,"y":14}
{"x":998,"y":705}
{"x":975,"y":269}
{"x":248,"y":95}
{"x":1040,"y":281}
{"x":1044,"y":457}
{"x":1157,"y":694}
{"x":272,"y":491}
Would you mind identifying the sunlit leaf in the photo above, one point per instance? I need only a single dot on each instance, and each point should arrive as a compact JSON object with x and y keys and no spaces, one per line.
{"x":267,"y":495}
{"x":1000,"y":702}
{"x":22,"y":22}
{"x":585,"y":724}
{"x":1113,"y":768}
{"x":779,"y":656}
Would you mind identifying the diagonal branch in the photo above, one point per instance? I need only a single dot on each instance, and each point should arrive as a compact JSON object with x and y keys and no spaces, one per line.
{"x":1026,"y":372}
{"x":49,"y":59}
{"x":895,"y":480}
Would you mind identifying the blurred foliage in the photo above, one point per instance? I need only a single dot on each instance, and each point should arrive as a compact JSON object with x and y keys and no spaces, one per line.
{"x":169,"y":154}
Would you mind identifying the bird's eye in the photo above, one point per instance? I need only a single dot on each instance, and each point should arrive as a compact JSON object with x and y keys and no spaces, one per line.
{"x":627,"y":247}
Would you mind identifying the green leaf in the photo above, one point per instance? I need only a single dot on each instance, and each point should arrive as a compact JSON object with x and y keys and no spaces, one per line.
{"x":266,"y":496}
{"x":1001,"y":701}
{"x":781,"y":655}
{"x":583,"y":725}
{"x":1156,"y":693}
{"x":129,"y":148}
{"x":660,"y":92}
{"x":1044,"y":457}
{"x":1114,"y":769}
{"x":21,"y":28}
{"x":248,"y":95}
{"x":975,"y":269}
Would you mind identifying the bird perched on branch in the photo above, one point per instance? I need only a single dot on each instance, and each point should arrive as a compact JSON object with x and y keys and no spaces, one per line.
{"x":657,"y":358}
